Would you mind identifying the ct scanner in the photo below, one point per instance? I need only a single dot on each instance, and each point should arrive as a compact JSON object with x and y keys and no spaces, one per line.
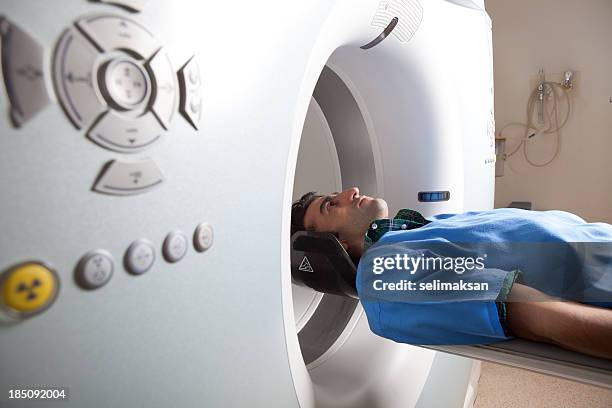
{"x":150,"y":151}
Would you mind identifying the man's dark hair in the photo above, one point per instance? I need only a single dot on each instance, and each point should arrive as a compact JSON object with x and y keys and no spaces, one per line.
{"x":298,"y":210}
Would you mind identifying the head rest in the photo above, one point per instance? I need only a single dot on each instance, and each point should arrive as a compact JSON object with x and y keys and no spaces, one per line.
{"x":319,"y":261}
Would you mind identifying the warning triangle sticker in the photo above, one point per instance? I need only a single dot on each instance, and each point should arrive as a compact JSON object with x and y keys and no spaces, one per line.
{"x":305,"y":266}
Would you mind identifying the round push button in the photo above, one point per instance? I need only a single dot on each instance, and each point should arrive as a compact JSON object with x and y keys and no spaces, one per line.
{"x":140,"y":257}
{"x":175,"y":246}
{"x":95,"y":269}
{"x":203,"y":237}
{"x":126,"y":83}
{"x":29,"y":288}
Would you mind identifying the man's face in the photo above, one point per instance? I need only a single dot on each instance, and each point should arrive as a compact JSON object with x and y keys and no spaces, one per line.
{"x":348,"y":214}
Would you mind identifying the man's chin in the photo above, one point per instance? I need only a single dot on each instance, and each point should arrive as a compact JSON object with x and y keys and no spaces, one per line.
{"x":380,"y":208}
{"x":385,"y":208}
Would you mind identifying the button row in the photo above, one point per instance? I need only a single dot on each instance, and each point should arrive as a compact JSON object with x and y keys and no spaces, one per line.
{"x":31,"y":287}
{"x":96,"y":267}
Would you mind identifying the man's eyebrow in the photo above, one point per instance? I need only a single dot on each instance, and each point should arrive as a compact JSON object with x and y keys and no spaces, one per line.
{"x":325,"y":200}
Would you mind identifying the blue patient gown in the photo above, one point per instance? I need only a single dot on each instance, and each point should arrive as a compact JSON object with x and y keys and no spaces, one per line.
{"x":553,"y":251}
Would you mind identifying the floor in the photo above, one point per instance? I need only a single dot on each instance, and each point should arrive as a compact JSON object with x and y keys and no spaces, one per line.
{"x":506,"y":387}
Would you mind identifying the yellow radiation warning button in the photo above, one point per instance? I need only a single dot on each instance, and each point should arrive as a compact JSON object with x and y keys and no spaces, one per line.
{"x":29,"y":288}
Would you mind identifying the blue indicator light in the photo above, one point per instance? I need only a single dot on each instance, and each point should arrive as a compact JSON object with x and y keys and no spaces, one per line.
{"x":433,"y":196}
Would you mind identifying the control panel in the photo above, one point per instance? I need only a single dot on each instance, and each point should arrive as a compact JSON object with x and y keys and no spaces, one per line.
{"x":115,"y":83}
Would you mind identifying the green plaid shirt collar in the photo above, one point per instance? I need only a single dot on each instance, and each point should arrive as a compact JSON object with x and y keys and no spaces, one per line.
{"x":404,"y":220}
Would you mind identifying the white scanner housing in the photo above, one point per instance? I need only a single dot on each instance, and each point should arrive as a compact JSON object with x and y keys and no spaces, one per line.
{"x":253,"y":104}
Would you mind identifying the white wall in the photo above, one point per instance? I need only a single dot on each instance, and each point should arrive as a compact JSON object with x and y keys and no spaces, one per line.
{"x":557,"y":35}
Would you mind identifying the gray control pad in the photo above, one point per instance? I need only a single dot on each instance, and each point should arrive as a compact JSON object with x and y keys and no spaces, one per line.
{"x":128,"y":178}
{"x":125,"y":135}
{"x":165,"y":85}
{"x":22,"y":67}
{"x":95,"y":269}
{"x":191,"y":96}
{"x":75,"y":79}
{"x":175,"y":246}
{"x":114,"y":33}
{"x":140,"y":257}
{"x":111,"y":64}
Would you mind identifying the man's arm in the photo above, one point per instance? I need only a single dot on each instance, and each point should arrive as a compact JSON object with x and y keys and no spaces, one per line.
{"x":534,"y":316}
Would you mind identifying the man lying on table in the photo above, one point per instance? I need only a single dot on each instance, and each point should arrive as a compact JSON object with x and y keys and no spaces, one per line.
{"x":543,"y":276}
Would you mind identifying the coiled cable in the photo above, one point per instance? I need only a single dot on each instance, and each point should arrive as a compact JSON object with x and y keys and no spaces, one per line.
{"x":551,"y":125}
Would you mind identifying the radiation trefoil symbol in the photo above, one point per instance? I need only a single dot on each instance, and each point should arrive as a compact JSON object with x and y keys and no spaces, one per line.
{"x":305,"y":266}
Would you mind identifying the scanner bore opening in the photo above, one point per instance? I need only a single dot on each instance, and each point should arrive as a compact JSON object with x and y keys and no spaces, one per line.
{"x":335,"y":153}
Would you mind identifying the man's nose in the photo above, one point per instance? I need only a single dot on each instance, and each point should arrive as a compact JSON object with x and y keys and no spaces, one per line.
{"x":349,"y":194}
